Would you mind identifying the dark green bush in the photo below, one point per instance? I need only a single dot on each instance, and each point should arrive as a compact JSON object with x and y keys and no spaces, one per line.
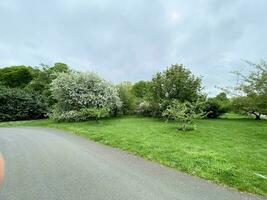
{"x":20,"y":104}
{"x":214,"y":108}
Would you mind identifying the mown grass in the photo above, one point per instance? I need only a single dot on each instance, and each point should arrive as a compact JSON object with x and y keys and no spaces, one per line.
{"x":228,"y":151}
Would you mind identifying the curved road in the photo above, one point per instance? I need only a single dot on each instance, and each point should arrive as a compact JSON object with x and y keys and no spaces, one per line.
{"x":45,"y":164}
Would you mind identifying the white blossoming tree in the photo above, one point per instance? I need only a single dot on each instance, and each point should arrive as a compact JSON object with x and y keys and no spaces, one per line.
{"x":81,"y":96}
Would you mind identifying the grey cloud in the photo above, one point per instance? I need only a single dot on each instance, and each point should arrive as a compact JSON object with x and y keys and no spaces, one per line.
{"x":131,"y":40}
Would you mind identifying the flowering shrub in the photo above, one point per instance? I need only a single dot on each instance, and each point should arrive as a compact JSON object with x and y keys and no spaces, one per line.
{"x":144,"y":108}
{"x":81,"y":115}
{"x":81,"y":95}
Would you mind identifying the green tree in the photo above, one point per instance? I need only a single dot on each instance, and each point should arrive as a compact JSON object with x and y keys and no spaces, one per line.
{"x":142,"y":89}
{"x":43,"y":76}
{"x":127,"y":97}
{"x":216,"y":106}
{"x":16,"y":76}
{"x":184,"y":113}
{"x":222,"y":97}
{"x":253,"y":90}
{"x":175,"y":83}
{"x":59,"y":67}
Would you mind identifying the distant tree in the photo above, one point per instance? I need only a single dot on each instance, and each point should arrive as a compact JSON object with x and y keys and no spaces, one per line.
{"x":253,"y":90}
{"x":45,"y":74}
{"x":59,"y":68}
{"x":142,"y":89}
{"x":145,"y":103}
{"x":222,"y":97}
{"x":216,"y":106}
{"x":125,"y":90}
{"x":41,"y":81}
{"x":16,"y":76}
{"x":176,"y":82}
{"x":43,"y":78}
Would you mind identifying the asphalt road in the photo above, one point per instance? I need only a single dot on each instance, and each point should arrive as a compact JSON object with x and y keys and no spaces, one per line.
{"x":44,"y":164}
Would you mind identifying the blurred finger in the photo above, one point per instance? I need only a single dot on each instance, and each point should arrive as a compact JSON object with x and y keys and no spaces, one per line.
{"x":2,"y":169}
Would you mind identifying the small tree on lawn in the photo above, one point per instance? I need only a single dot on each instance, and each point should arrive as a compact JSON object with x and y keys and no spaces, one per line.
{"x":184,"y":113}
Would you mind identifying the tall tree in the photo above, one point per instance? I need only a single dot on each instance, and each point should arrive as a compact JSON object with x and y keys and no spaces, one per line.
{"x":176,"y":82}
{"x":16,"y":76}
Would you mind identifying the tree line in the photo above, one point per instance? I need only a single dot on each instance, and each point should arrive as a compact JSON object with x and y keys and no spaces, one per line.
{"x":176,"y":93}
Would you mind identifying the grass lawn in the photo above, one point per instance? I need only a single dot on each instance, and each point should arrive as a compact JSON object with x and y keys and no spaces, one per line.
{"x":228,"y":151}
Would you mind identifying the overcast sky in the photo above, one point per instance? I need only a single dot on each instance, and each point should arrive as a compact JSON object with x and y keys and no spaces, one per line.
{"x":133,"y":39}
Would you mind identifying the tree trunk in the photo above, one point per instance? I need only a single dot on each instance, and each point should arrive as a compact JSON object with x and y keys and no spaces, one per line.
{"x":258,"y":117}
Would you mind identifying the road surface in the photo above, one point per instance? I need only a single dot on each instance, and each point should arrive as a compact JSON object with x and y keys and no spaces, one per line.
{"x":45,"y":164}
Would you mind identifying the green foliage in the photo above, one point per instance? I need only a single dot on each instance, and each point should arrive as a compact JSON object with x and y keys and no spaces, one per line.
{"x":176,"y":82}
{"x":59,"y":68}
{"x":142,"y":89}
{"x":16,"y":76}
{"x":222,"y":97}
{"x":255,"y":105}
{"x":217,"y":106}
{"x":127,"y":97}
{"x":184,"y":113}
{"x":256,"y":82}
{"x":79,"y":115}
{"x":213,"y":109}
{"x":254,"y":88}
{"x":43,"y":78}
{"x":76,"y":91}
{"x":20,"y":104}
{"x":146,"y":105}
